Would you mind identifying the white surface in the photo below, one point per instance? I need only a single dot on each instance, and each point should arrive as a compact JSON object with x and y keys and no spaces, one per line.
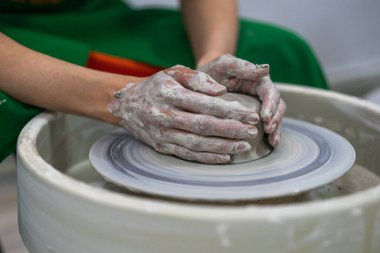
{"x":344,"y":33}
{"x":10,"y":239}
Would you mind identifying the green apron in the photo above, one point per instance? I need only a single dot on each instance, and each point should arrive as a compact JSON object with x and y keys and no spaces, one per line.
{"x":68,"y":30}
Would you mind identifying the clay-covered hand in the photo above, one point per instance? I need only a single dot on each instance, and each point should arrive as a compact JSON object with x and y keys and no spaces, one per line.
{"x":177,"y":111}
{"x":242,"y":76}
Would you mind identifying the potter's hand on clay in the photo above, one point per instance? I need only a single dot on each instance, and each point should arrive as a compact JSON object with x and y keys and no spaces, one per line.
{"x":177,"y":111}
{"x":242,"y":76}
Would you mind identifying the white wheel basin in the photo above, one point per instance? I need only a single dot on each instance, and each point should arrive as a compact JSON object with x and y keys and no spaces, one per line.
{"x":64,"y":214}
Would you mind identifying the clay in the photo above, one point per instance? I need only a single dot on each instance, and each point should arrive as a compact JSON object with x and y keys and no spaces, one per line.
{"x":259,"y":144}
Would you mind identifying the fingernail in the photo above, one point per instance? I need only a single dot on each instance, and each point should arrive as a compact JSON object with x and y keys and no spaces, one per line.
{"x":273,"y":127}
{"x":276,"y":140}
{"x":252,"y":132}
{"x":252,"y":119}
{"x":266,"y":127}
{"x":243,"y":146}
{"x":266,"y":115}
{"x":219,"y":89}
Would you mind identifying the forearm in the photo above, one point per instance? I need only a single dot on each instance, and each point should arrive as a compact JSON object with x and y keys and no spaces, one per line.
{"x":47,"y":82}
{"x":212,"y":26}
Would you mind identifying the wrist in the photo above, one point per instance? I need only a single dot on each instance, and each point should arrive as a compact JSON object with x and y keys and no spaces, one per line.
{"x":102,"y":95}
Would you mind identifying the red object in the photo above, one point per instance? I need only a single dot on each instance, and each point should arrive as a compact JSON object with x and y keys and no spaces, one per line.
{"x":119,"y":65}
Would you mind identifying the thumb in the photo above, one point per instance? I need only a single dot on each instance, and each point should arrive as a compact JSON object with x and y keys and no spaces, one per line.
{"x":196,"y":80}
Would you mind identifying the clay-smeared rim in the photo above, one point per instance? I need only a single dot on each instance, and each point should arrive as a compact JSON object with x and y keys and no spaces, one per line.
{"x":43,"y":172}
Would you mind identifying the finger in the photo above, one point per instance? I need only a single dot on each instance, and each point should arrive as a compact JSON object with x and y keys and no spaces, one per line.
{"x":207,"y":125}
{"x":232,"y":83}
{"x":247,"y":86}
{"x":270,"y":126}
{"x":209,"y":144}
{"x":249,"y":71}
{"x":187,"y":154}
{"x":196,"y":81}
{"x":274,"y":138}
{"x":270,"y":97}
{"x":240,"y":68}
{"x":200,"y":103}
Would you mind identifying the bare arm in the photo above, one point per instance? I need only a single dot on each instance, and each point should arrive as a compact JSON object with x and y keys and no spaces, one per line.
{"x":164,"y":110}
{"x":212,"y":26}
{"x":43,"y":81}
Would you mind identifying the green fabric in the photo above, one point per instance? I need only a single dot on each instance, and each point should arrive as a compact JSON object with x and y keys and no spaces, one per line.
{"x":65,"y":49}
{"x":290,"y":58}
{"x":154,"y":36}
{"x":13,"y":117}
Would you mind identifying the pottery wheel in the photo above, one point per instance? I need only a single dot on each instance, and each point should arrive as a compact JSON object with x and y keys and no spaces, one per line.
{"x":307,"y":156}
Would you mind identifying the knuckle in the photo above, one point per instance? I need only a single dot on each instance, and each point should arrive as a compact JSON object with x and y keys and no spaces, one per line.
{"x":198,"y":144}
{"x":160,"y":77}
{"x":225,"y":58}
{"x":191,"y":142}
{"x":167,"y":91}
{"x":164,"y":135}
{"x":195,"y":146}
{"x":160,"y":80}
{"x":177,"y":66}
{"x":186,"y":154}
{"x":200,"y":124}
{"x":228,"y":56}
{"x":178,"y":71}
{"x":159,"y":117}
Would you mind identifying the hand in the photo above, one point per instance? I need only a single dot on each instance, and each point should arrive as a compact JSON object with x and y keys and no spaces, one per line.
{"x":177,"y":111}
{"x":242,"y":76}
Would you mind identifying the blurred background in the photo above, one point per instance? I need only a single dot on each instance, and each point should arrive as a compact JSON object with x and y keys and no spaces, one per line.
{"x":345,"y":34}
